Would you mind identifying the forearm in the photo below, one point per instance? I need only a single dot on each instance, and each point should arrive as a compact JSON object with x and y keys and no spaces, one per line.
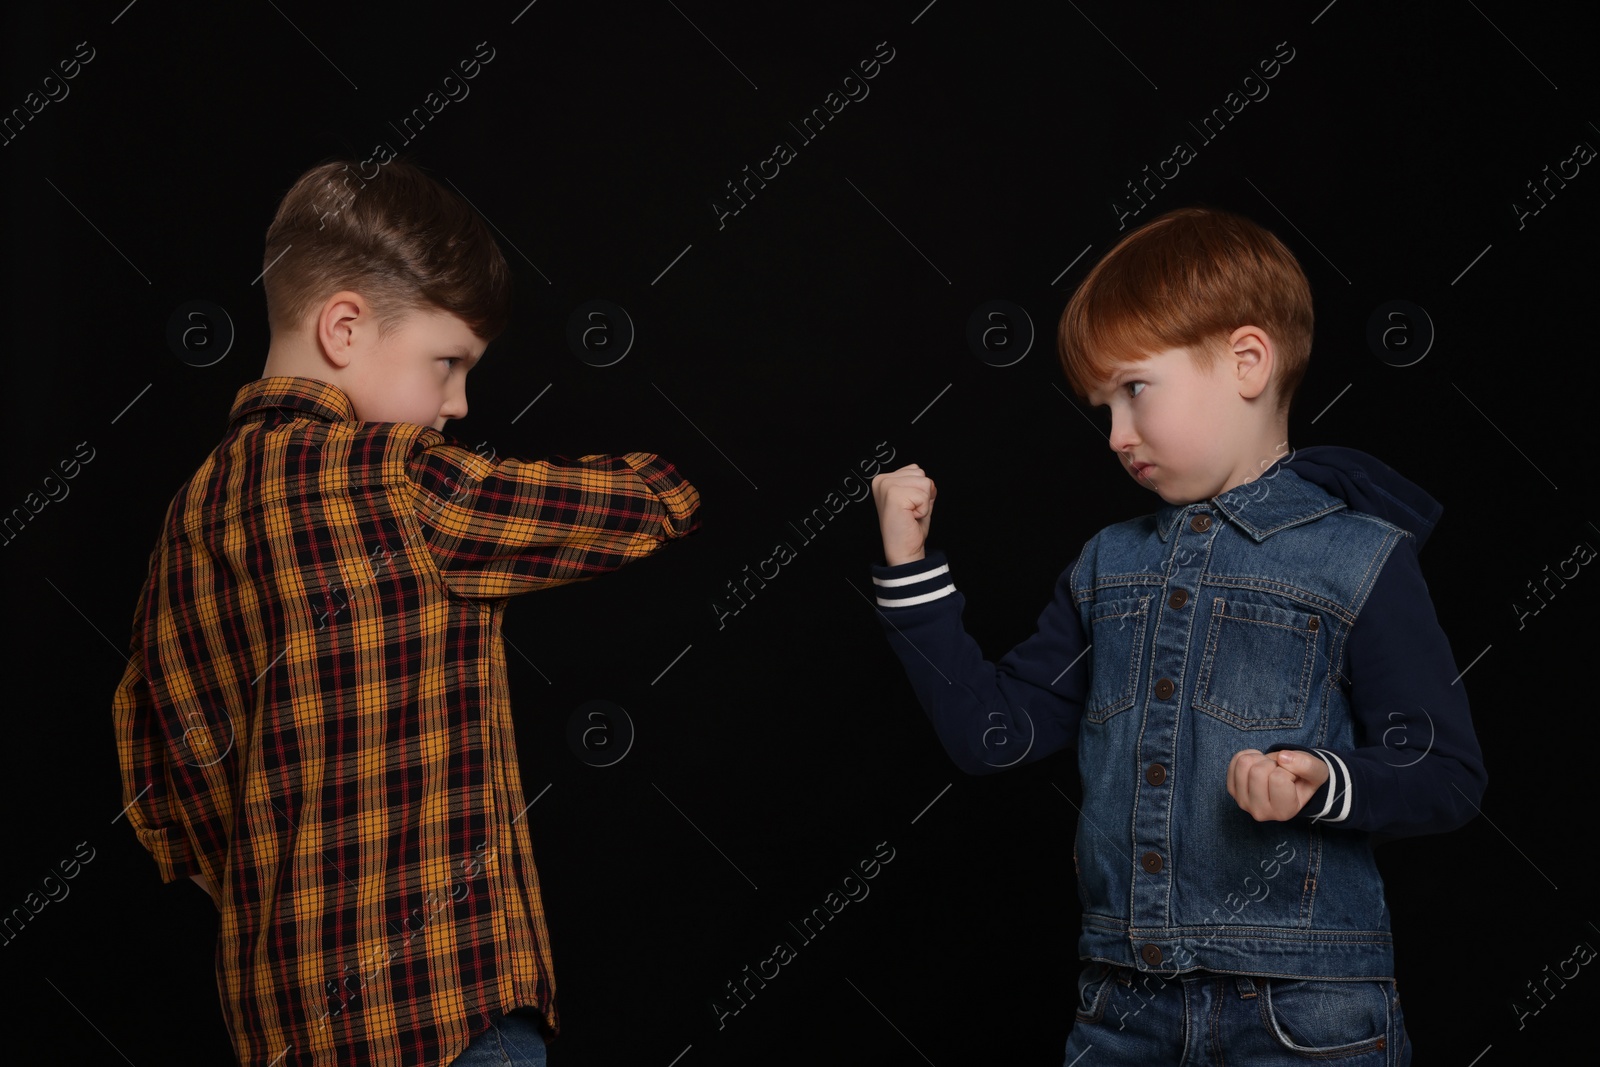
{"x":987,"y":716}
{"x":499,"y":529}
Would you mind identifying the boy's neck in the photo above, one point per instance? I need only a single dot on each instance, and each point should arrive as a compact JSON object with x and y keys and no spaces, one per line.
{"x":1269,"y":447}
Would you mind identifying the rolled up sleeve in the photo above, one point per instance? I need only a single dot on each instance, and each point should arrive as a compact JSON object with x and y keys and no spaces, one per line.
{"x":499,"y":528}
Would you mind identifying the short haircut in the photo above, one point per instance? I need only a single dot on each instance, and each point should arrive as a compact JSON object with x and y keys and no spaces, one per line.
{"x":399,"y":238}
{"x":1188,"y":279}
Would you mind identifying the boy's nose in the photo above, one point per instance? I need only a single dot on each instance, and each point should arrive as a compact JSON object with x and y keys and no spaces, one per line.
{"x":1122,"y":438}
{"x":456,"y":406}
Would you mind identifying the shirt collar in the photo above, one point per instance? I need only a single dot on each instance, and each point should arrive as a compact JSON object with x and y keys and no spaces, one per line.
{"x":308,"y":395}
{"x":1275,"y":501}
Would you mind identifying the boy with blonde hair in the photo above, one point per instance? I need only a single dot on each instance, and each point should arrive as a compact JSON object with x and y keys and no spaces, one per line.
{"x":315,"y":723}
{"x":1238,"y":672}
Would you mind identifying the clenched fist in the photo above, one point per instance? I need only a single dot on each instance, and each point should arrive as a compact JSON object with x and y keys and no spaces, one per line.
{"x":1274,"y":788}
{"x":905,"y":507}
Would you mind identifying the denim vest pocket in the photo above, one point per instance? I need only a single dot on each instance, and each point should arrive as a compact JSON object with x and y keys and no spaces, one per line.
{"x":1116,"y":629}
{"x":1258,"y":664}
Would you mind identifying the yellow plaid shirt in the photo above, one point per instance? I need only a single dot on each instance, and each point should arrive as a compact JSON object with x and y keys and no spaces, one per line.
{"x":316,"y":718}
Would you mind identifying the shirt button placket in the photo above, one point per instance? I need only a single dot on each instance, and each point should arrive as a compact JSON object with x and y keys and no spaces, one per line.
{"x":1174,"y":624}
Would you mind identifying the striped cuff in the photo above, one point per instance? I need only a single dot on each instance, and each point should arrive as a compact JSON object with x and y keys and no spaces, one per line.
{"x":1338,"y":788}
{"x":910,"y":584}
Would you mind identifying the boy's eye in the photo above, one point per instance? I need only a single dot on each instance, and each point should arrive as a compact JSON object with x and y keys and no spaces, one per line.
{"x":1130,"y":385}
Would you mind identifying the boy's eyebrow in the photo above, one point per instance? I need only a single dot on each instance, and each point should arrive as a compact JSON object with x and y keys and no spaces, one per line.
{"x":1122,"y":374}
{"x":1112,"y":383}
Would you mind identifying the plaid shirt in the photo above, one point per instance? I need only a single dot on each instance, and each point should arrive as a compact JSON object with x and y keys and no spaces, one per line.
{"x":316,"y":718}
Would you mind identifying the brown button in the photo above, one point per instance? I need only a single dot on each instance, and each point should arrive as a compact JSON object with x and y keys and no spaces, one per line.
{"x":1200,"y":523}
{"x":1155,"y":774}
{"x":1164,"y":688}
{"x":1151,"y":955}
{"x":1312,"y":625}
{"x":1180,"y":598}
{"x":1383,"y":1043}
{"x":1151,"y":863}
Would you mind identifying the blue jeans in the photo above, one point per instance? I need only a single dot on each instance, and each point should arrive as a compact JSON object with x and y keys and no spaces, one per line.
{"x":1140,"y":1019}
{"x":513,"y":1040}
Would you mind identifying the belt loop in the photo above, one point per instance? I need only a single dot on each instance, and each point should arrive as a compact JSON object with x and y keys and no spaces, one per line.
{"x":1248,"y":986}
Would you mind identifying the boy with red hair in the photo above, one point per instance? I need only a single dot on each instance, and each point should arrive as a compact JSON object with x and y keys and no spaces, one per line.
{"x":1231,"y":671}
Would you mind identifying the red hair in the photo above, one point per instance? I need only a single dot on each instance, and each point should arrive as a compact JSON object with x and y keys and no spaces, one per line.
{"x":1188,"y":279}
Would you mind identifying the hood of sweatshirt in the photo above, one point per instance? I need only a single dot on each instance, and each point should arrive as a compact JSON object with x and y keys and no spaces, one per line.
{"x":1369,"y":486}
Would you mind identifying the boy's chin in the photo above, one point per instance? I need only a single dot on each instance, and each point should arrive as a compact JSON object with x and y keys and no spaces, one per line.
{"x":1177,"y":499}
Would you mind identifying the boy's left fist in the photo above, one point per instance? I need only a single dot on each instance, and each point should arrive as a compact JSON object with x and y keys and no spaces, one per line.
{"x":1274,"y":788}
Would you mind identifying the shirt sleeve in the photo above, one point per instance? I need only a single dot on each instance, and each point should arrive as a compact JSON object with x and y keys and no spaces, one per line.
{"x":147,"y":789}
{"x":989,"y":716}
{"x":503,"y":527}
{"x":1416,"y":767}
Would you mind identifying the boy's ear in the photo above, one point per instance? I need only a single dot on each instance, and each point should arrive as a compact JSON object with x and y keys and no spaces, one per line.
{"x":1251,"y":356}
{"x":341,"y":326}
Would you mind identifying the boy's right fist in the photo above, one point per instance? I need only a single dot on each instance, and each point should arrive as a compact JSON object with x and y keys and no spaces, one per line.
{"x":905,"y":507}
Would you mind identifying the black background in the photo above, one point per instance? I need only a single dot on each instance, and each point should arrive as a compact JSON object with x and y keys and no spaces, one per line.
{"x":776,"y":353}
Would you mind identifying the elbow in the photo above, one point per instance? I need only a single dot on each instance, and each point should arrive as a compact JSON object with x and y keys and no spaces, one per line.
{"x":1469,"y":790}
{"x":979,"y":760}
{"x":1459,"y":800}
{"x":967,"y":759}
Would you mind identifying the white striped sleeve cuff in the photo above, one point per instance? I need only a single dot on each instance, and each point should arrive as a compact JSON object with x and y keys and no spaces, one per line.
{"x":1338,"y":788}
{"x":912,"y":583}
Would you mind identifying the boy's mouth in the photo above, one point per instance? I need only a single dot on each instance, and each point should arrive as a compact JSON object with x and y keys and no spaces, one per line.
{"x":1139,"y":469}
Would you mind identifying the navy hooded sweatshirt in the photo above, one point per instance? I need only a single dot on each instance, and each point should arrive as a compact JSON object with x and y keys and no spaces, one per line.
{"x":1416,"y":767}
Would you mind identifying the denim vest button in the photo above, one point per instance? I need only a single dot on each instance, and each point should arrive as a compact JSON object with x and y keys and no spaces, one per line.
{"x":1178,"y":599}
{"x":1164,"y":688}
{"x":1155,"y":774}
{"x":1200,"y":523}
{"x":1151,"y":955}
{"x":1151,"y":863}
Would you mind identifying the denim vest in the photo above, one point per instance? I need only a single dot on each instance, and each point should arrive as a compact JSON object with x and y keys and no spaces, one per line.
{"x":1219,"y":626}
